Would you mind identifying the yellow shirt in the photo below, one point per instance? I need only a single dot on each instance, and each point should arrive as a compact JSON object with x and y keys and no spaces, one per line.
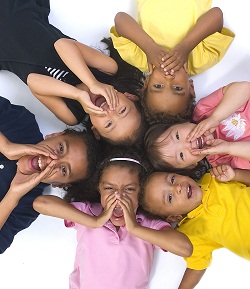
{"x":167,"y":22}
{"x":222,"y":220}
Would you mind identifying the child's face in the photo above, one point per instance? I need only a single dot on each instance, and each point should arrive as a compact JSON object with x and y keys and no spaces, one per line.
{"x":167,"y":93}
{"x":71,"y":164}
{"x":120,"y":123}
{"x":171,"y":194}
{"x":123,"y":181}
{"x":176,"y":150}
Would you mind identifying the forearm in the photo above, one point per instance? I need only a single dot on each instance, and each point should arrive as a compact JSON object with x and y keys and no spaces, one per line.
{"x":242,"y":176}
{"x":7,"y":205}
{"x":168,"y":239}
{"x":4,"y":142}
{"x":56,"y":207}
{"x":239,"y":149}
{"x":191,"y":278}
{"x":207,"y":24}
{"x":127,"y":27}
{"x":235,"y":95}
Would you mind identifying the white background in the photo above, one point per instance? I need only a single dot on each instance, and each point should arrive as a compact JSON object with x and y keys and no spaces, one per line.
{"x":42,"y":256}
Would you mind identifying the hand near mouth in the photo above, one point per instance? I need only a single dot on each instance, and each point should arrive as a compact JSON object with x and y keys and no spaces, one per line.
{"x":205,"y":127}
{"x":22,"y":184}
{"x":213,"y":147}
{"x":14,"y":151}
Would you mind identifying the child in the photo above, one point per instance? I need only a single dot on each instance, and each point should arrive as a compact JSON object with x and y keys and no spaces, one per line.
{"x":115,"y":240}
{"x":211,"y":213}
{"x":68,"y":77}
{"x":222,"y":136}
{"x":179,"y":38}
{"x":62,"y":159}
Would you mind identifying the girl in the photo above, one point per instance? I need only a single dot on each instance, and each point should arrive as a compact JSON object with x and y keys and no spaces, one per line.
{"x":68,"y":77}
{"x":176,"y":46}
{"x":114,"y":234}
{"x":222,"y":136}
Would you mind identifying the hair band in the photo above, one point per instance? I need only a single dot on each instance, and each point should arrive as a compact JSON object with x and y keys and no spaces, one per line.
{"x":125,"y":159}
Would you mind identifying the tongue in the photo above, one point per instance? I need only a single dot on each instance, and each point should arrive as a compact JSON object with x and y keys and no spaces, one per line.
{"x":118,"y":212}
{"x":100,"y":100}
{"x":34,"y":163}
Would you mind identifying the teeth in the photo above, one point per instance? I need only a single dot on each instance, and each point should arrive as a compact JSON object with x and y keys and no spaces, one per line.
{"x":39,"y":163}
{"x":103,"y":104}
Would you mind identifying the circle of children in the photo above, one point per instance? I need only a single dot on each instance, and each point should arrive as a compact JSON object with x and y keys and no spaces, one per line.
{"x":150,"y":156}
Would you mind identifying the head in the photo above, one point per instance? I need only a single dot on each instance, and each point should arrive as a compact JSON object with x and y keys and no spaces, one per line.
{"x":168,"y":97}
{"x":121,"y":174}
{"x":167,"y":146}
{"x":122,"y":126}
{"x":170,"y":195}
{"x":78,"y":153}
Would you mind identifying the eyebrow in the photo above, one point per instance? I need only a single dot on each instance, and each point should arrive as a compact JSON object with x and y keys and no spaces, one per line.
{"x":67,"y":144}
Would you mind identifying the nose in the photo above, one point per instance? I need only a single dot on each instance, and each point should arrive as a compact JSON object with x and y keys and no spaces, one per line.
{"x":178,"y":188}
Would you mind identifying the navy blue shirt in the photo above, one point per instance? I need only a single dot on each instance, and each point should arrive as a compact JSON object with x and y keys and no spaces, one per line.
{"x":19,"y":126}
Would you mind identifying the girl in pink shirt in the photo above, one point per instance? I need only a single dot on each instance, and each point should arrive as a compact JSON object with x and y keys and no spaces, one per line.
{"x":222,"y":135}
{"x":116,"y":241}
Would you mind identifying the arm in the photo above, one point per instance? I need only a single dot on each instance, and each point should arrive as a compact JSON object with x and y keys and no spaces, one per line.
{"x":78,"y":57}
{"x":168,"y":239}
{"x":207,"y":24}
{"x":234,"y":96}
{"x":127,"y":27}
{"x":50,"y":92}
{"x":191,"y":278}
{"x":21,"y":185}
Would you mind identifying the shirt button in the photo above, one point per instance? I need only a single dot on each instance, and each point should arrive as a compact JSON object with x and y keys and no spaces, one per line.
{"x":1,"y":166}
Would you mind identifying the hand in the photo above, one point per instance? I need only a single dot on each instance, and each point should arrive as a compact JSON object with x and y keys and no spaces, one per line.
{"x":128,"y":211}
{"x":108,"y":92}
{"x":16,"y":151}
{"x":175,"y":59}
{"x":154,"y":54}
{"x":106,"y":214}
{"x":214,"y":147}
{"x":206,"y":127}
{"x":223,"y":173}
{"x":22,"y":184}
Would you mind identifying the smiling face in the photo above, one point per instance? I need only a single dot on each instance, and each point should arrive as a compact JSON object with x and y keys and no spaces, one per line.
{"x":169,"y":94}
{"x":176,"y":150}
{"x":71,"y":164}
{"x":171,"y":194}
{"x":118,"y":124}
{"x":122,"y":180}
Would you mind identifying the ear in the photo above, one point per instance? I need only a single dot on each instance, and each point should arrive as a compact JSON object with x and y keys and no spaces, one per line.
{"x":96,"y":133}
{"x":174,"y":218}
{"x":132,"y":97}
{"x":191,"y":88}
{"x":54,"y":134}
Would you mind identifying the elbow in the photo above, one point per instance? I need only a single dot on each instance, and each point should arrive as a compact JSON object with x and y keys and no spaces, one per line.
{"x":218,"y":18}
{"x":39,"y":203}
{"x":119,"y":20}
{"x":188,"y":250}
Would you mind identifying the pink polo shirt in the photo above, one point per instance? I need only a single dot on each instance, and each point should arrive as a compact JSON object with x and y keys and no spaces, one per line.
{"x":108,"y":259}
{"x":234,"y":128}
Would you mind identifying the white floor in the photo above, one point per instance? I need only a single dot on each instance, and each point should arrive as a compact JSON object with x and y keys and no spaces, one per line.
{"x":42,"y":256}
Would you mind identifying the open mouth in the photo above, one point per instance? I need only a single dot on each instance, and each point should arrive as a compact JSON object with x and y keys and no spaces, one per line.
{"x":189,"y":192}
{"x":200,"y":142}
{"x":36,"y":163}
{"x":99,"y":101}
{"x":118,"y":212}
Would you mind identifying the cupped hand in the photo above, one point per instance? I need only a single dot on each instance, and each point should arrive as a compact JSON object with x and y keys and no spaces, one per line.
{"x":174,"y":59}
{"x":213,"y":147}
{"x":223,"y":173}
{"x":154,"y":54}
{"x":205,"y":127}
{"x":22,"y":184}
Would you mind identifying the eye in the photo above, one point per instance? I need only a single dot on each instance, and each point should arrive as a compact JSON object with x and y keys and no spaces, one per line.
{"x":60,"y":148}
{"x":108,"y":188}
{"x":177,"y":88}
{"x":182,"y":156}
{"x":177,"y":135}
{"x":108,"y":124}
{"x":130,"y":189}
{"x":170,"y":197}
{"x":123,"y":110}
{"x":172,"y":179}
{"x":64,"y":171}
{"x":158,"y":86}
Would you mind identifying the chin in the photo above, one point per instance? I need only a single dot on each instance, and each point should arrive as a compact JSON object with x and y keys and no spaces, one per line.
{"x":118,"y":222}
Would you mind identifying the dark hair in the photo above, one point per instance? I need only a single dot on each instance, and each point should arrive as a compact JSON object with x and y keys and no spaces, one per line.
{"x":87,"y":191}
{"x":93,"y":149}
{"x":152,"y":150}
{"x":128,"y":78}
{"x":153,"y":116}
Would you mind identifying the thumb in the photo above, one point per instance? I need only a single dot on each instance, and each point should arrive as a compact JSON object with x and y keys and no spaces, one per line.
{"x":150,"y":68}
